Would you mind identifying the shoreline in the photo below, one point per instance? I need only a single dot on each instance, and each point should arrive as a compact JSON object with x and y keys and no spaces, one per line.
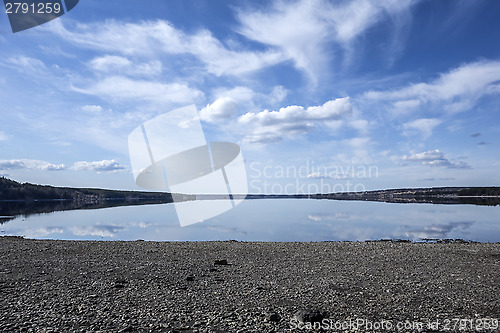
{"x":383,"y":240}
{"x":227,"y":286}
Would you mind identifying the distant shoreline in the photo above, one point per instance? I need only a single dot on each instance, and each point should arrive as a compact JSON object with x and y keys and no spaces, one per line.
{"x":25,"y":199}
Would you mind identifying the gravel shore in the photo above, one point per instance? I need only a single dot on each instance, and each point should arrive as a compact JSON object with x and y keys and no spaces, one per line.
{"x":88,"y":286}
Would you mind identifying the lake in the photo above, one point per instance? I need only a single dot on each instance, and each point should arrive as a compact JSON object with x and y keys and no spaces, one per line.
{"x":269,"y":220}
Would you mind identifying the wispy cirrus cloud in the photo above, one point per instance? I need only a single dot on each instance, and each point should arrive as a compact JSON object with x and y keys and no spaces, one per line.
{"x":305,"y":30}
{"x":159,"y":37}
{"x":454,"y":91}
{"x":423,"y":125}
{"x":122,"y":65}
{"x":121,"y":88}
{"x":435,"y":158}
{"x":27,"y":65}
{"x":3,"y":136}
{"x":271,"y":126}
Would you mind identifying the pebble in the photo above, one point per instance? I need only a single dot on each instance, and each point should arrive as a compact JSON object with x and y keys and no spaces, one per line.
{"x":267,"y":287}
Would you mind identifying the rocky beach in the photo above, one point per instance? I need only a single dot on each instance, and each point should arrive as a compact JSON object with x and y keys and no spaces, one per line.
{"x":139,"y":286}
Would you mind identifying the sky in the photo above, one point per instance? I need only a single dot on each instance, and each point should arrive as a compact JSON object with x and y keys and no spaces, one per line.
{"x":321,"y":96}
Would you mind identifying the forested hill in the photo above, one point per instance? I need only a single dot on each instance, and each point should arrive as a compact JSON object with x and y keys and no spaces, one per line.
{"x":12,"y":190}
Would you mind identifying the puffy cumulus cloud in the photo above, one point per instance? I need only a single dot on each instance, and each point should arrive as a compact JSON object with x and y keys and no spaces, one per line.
{"x":126,"y":89}
{"x":435,"y":158}
{"x":424,"y":125}
{"x":270,"y":126}
{"x":303,"y":29}
{"x":331,"y":110}
{"x":122,"y":65}
{"x":27,"y":164}
{"x":151,"y":38}
{"x":454,"y":91}
{"x":92,"y":108}
{"x":98,"y":166}
{"x":223,"y":108}
{"x":247,"y":96}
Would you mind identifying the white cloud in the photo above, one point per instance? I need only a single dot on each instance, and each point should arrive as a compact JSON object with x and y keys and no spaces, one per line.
{"x":150,"y":38}
{"x":361,"y":125}
{"x":358,"y":143}
{"x":271,"y":126}
{"x":223,"y":108}
{"x":438,"y":231}
{"x":435,"y":158}
{"x":240,"y":94}
{"x":97,"y":230}
{"x":302,"y":29}
{"x":454,"y":91}
{"x":278,"y":94}
{"x":98,"y":166}
{"x":280,"y":27}
{"x":424,"y":125}
{"x":3,"y":136}
{"x":318,"y":175}
{"x":28,"y":164}
{"x":41,"y":232}
{"x":332,"y":109}
{"x":122,"y":65}
{"x":122,"y":88}
{"x":406,"y":106}
{"x":245,"y":95}
{"x":27,"y":65}
{"x":92,"y":108}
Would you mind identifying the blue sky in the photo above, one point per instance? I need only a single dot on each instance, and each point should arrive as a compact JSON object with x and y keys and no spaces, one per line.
{"x":320,"y":95}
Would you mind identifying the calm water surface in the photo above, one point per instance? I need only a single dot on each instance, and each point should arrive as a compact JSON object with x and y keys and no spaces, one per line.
{"x":269,"y":220}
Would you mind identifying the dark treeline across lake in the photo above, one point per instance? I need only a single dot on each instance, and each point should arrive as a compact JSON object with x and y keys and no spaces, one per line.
{"x":26,"y":199}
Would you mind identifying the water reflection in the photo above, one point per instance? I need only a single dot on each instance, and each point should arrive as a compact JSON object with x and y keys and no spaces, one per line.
{"x":270,"y":220}
{"x":439,"y":231}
